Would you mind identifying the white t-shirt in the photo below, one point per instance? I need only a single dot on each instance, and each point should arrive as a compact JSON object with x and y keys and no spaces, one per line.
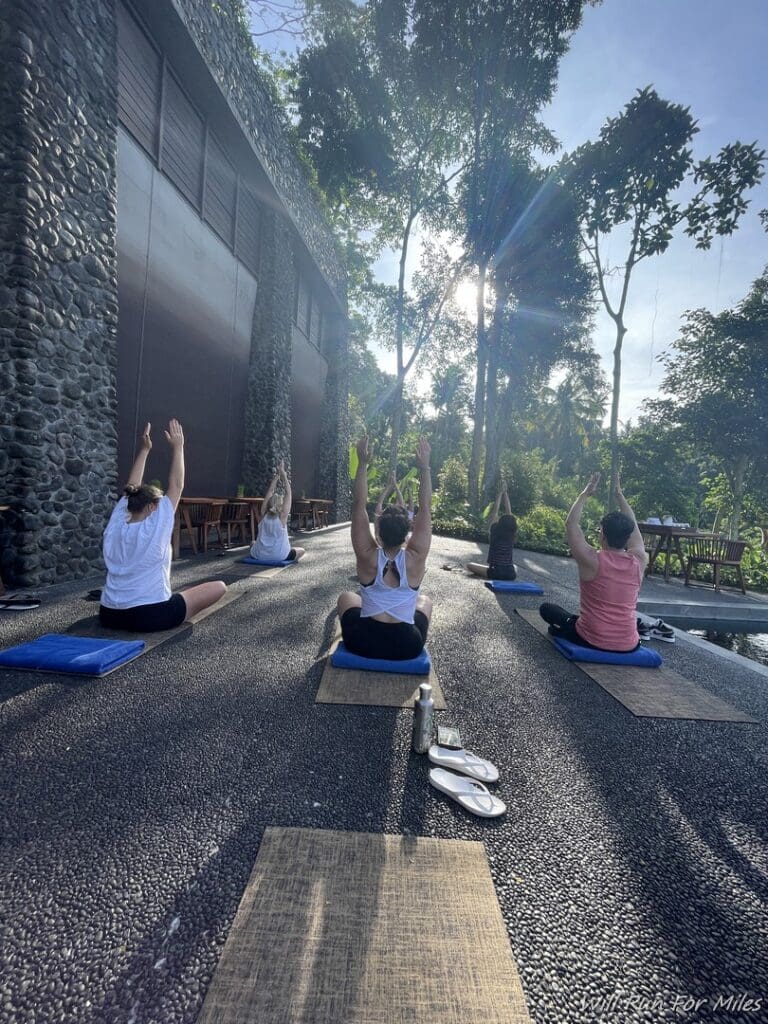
{"x":138,"y":557}
{"x":272,"y":543}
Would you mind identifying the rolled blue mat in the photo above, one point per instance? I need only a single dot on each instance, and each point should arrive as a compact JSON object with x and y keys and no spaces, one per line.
{"x":342,"y":658}
{"x":78,"y":655}
{"x":644,"y":657}
{"x":257,"y":561}
{"x":515,"y":586}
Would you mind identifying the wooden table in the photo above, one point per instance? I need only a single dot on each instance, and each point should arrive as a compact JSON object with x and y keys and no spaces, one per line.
{"x":320,"y":509}
{"x":668,"y":543}
{"x":254,"y":504}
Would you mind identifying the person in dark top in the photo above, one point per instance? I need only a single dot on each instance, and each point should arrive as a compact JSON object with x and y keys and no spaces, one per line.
{"x":501,"y":547}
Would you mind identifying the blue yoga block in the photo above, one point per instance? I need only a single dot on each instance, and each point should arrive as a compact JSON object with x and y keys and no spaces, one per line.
{"x":342,"y":658}
{"x":515,"y":586}
{"x":644,"y":657}
{"x":78,"y":655}
{"x":257,"y":561}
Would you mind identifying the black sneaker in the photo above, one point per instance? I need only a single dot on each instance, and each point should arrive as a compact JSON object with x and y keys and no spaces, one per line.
{"x":661,"y":631}
{"x":644,"y":630}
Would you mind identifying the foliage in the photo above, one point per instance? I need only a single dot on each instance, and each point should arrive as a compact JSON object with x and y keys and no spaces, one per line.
{"x":633,"y":176}
{"x":543,"y":529}
{"x":660,"y":473}
{"x":715,"y":379}
{"x":522,"y":472}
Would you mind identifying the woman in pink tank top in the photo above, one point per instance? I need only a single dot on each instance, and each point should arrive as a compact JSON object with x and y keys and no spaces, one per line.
{"x":609,"y":579}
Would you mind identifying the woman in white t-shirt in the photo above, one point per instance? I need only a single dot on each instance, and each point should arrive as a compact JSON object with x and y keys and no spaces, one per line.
{"x":272,"y":543}
{"x":137,"y":552}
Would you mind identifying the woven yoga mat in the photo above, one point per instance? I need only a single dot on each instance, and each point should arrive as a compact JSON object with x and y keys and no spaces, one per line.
{"x":91,"y":626}
{"x":379,"y":689}
{"x":366,"y":929}
{"x":651,"y":692}
{"x":242,"y":570}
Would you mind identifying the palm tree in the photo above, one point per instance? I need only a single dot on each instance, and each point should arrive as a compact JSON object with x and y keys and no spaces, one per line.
{"x":572,"y":418}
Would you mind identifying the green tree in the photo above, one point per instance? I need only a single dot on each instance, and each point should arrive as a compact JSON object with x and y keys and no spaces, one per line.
{"x":715,"y":379}
{"x":640,"y":174}
{"x":572,"y":417}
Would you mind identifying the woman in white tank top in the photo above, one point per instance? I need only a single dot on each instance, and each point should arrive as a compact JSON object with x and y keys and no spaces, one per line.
{"x":272,"y":543}
{"x":389,"y":618}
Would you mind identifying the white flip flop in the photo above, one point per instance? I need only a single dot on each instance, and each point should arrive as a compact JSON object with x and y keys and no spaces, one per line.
{"x":465,"y":762}
{"x":471,"y":795}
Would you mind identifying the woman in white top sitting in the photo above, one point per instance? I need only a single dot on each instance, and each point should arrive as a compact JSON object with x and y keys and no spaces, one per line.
{"x":272,"y":543}
{"x":388,"y":618}
{"x":137,"y":552}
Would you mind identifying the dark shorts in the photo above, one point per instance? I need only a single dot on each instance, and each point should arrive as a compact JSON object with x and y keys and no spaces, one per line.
{"x":394,"y":641}
{"x":146,"y":618}
{"x":502,"y":572}
{"x":565,"y":626}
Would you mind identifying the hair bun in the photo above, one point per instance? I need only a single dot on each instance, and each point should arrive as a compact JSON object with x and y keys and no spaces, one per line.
{"x":130,"y":489}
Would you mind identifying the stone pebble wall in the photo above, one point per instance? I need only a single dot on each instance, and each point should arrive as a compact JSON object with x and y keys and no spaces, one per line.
{"x":268,"y":401}
{"x":224,"y":45}
{"x":58,"y":286}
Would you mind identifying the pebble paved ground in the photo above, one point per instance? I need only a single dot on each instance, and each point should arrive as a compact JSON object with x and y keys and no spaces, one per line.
{"x":631,"y":867}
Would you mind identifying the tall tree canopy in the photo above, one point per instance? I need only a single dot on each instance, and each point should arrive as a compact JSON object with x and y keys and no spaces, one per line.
{"x":716,"y":382}
{"x":640,"y":173}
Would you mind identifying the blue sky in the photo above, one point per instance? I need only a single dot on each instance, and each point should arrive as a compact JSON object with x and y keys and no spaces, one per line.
{"x":710,"y":55}
{"x":706,"y":54}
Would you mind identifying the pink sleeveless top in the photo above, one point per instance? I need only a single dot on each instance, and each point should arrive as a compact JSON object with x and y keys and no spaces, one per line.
{"x":608,"y":616}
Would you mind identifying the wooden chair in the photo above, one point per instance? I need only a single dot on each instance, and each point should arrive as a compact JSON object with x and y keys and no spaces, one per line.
{"x":302,"y":514}
{"x":717,"y":552}
{"x":236,"y":516}
{"x":198,"y":518}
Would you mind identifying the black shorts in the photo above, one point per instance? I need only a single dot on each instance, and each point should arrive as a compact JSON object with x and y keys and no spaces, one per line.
{"x":394,"y":641}
{"x":502,"y":572}
{"x":146,"y":618}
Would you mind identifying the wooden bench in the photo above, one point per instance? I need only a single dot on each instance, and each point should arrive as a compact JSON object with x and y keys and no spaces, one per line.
{"x":717,"y":552}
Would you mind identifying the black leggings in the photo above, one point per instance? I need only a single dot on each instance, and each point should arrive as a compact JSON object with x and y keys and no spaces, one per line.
{"x":393,"y":641}
{"x":563,"y":625}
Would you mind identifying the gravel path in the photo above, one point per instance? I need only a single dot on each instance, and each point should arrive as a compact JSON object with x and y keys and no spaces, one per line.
{"x":631,"y":867}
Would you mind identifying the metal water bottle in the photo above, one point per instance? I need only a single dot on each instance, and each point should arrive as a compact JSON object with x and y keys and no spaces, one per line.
{"x":423,"y":719}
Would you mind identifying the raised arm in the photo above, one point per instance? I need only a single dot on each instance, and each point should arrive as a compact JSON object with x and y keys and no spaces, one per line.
{"x":635,"y":544}
{"x":391,"y":485}
{"x":421,"y":538}
{"x":495,"y":510}
{"x":287,"y":493}
{"x":136,"y":476}
{"x":267,"y":496}
{"x":505,"y":499}
{"x":362,"y":542}
{"x":175,"y":437}
{"x":581,"y":549}
{"x":398,"y":494}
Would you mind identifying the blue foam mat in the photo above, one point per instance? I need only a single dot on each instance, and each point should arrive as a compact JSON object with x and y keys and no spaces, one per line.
{"x":342,"y":658}
{"x":257,"y":561}
{"x":644,"y":657}
{"x":77,"y":655}
{"x":515,"y":586}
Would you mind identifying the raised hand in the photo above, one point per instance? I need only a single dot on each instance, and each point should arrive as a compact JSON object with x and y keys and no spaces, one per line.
{"x":174,"y":435}
{"x":364,"y":450}
{"x":591,"y":487}
{"x":281,"y":468}
{"x":146,"y":440}
{"x":423,"y":452}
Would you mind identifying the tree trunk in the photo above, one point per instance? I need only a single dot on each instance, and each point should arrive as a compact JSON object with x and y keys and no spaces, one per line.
{"x":614,"y":432}
{"x":397,"y":414}
{"x":482,"y":360}
{"x":492,"y":417}
{"x":737,"y":486}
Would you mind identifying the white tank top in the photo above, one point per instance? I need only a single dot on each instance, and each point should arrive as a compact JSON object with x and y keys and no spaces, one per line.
{"x":272,"y":544}
{"x":399,"y":602}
